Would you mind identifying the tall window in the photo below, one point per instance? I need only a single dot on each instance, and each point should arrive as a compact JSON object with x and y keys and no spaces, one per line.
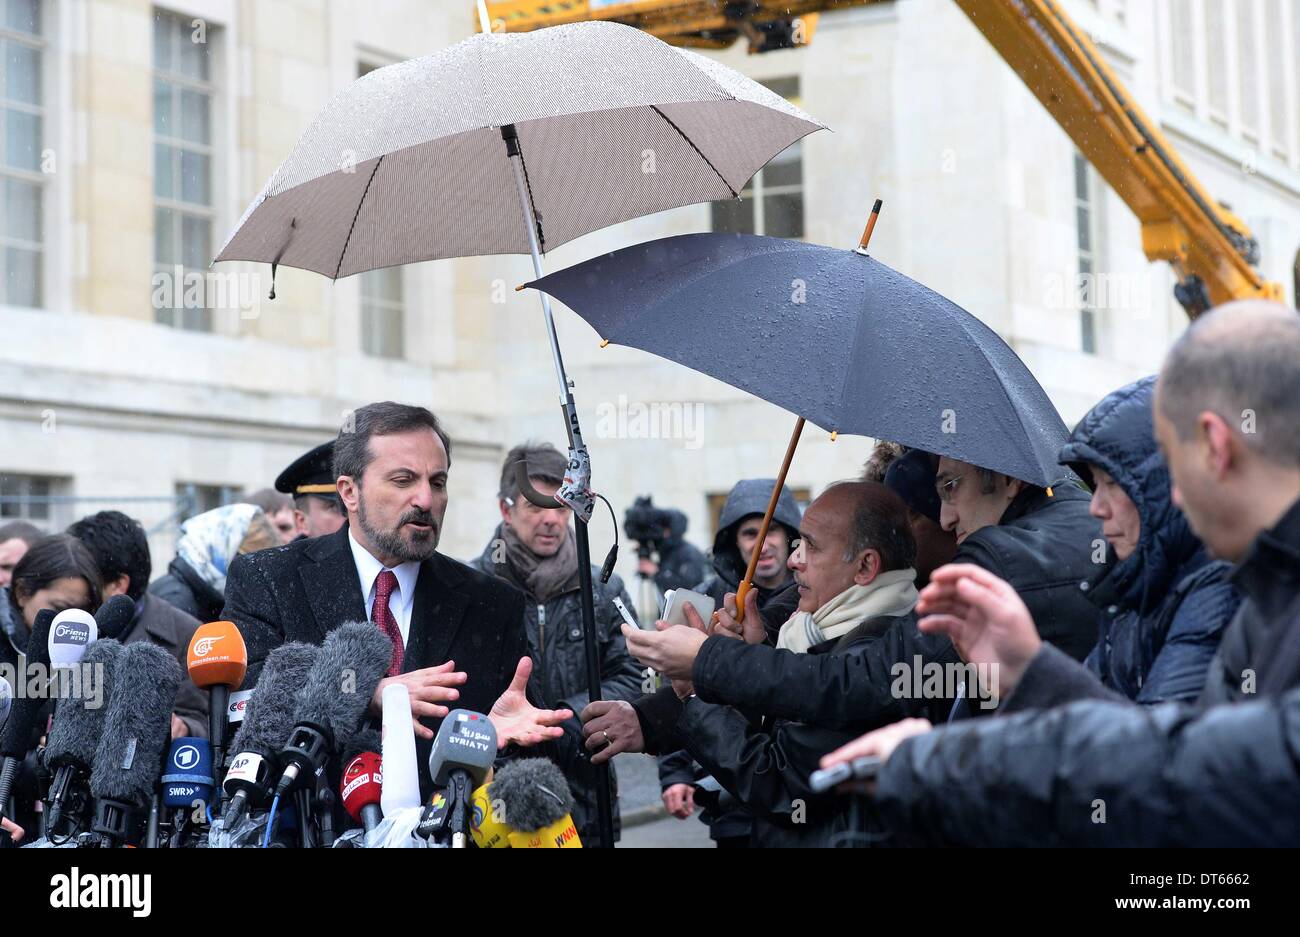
{"x":27,"y":497}
{"x":195,"y":499}
{"x":772,"y":202}
{"x":382,"y":303}
{"x":381,"y":312}
{"x":182,"y":158}
{"x":21,"y":180}
{"x":1085,"y":227}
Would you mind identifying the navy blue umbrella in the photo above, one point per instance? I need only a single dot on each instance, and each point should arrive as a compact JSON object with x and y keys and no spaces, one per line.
{"x":833,"y":336}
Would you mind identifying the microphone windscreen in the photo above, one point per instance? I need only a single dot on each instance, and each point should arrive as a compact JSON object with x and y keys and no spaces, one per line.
{"x":114,"y":616}
{"x":25,"y":707}
{"x":466,"y":741}
{"x":71,"y":632}
{"x":79,"y":718}
{"x":532,"y":792}
{"x":268,"y":717}
{"x":217,"y":656}
{"x":352,"y":661}
{"x":137,"y":725}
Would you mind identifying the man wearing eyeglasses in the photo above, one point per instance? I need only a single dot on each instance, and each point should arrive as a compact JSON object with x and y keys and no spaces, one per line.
{"x":1042,"y":541}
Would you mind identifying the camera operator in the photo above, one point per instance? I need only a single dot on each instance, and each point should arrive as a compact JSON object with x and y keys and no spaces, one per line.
{"x":662,"y":531}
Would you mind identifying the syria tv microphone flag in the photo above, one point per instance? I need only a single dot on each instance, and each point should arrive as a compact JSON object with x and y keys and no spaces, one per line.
{"x":461,"y":757}
{"x":217,"y":662}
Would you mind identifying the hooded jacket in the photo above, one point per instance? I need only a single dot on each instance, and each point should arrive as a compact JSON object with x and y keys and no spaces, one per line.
{"x":747,"y":498}
{"x":1164,"y":609}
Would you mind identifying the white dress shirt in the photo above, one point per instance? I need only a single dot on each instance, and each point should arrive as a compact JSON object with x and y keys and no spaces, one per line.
{"x":403,"y":597}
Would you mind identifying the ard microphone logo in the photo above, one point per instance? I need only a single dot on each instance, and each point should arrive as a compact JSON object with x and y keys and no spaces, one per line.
{"x":203,"y":646}
{"x":102,"y":890}
{"x":187,"y":756}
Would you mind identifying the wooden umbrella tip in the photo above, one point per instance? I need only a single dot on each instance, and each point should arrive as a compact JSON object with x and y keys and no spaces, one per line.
{"x":521,"y":286}
{"x":604,"y":342}
{"x":835,"y":434}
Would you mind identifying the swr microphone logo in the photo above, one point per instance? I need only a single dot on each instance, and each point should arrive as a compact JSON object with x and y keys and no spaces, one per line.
{"x":203,"y":645}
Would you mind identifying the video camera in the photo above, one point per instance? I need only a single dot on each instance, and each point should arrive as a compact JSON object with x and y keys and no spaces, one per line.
{"x":645,"y":523}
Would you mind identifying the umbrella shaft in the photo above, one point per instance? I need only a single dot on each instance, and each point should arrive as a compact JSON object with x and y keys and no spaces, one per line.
{"x":517,"y":161}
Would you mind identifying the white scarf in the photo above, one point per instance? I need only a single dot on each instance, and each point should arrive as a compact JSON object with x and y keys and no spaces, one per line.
{"x":890,"y":594}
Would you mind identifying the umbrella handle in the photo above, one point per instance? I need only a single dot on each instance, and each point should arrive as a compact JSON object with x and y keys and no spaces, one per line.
{"x":747,"y":583}
{"x":529,"y":492}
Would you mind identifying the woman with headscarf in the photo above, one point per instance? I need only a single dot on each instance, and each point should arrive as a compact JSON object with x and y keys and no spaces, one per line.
{"x":196,"y":579}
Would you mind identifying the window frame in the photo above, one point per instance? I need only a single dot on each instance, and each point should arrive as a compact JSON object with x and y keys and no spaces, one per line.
{"x":39,"y":42}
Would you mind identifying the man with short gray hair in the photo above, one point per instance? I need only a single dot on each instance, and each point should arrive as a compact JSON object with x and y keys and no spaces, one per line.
{"x":533,"y":549}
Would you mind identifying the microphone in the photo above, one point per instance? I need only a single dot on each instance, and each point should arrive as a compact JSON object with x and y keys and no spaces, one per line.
{"x":485,"y":823}
{"x":536,"y":805}
{"x":24,"y":709}
{"x":115,"y":616}
{"x":361,"y":789}
{"x":70,"y":632}
{"x":355,"y":655}
{"x":268,"y":720}
{"x":402,"y":787}
{"x":188,"y":780}
{"x":128,"y":759}
{"x":217,"y":661}
{"x":462,"y":755}
{"x":78,"y":726}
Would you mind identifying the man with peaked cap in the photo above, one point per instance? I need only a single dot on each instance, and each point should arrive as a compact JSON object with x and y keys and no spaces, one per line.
{"x":310,"y":481}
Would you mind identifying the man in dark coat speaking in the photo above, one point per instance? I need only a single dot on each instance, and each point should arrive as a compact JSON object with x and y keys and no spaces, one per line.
{"x":458,"y":637}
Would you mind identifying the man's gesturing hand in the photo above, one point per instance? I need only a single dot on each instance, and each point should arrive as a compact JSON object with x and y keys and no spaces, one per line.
{"x":670,"y":651}
{"x":428,"y":688}
{"x":879,"y":742}
{"x":519,"y":721}
{"x":610,"y":727}
{"x":985,"y":619}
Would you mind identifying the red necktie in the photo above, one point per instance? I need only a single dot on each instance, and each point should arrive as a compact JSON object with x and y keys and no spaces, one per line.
{"x":382,"y":616}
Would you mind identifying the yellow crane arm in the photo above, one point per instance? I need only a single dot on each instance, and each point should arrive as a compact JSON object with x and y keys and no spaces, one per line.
{"x":1211,"y":250}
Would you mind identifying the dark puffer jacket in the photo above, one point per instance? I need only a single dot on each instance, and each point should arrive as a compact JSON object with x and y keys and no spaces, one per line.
{"x":1164,"y":608}
{"x":560,"y":674}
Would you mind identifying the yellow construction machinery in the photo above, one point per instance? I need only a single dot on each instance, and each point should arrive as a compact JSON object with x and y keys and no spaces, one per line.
{"x":1211,"y":250}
